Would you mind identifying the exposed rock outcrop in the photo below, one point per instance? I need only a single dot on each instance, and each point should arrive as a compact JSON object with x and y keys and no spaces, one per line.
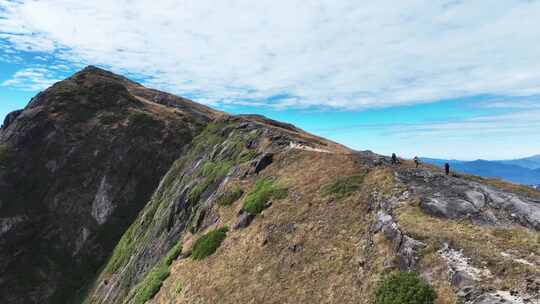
{"x":459,"y":198}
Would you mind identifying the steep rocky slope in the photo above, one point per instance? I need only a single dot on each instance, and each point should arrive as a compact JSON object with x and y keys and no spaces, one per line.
{"x":292,"y":218}
{"x":76,"y":166}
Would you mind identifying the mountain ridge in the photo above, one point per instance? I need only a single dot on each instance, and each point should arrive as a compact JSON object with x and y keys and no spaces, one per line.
{"x":510,"y":170}
{"x":107,"y":187}
{"x":531,"y":162}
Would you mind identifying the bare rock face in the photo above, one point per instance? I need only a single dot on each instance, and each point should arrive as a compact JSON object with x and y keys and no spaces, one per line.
{"x":244,"y":219}
{"x":76,"y":166}
{"x":102,"y":206}
{"x":458,"y":198}
{"x":406,"y":248}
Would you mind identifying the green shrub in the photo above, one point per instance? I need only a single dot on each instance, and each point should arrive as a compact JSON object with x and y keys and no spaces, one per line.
{"x":230,"y":196}
{"x":404,"y":288}
{"x":207,"y":244}
{"x":151,"y":284}
{"x":263,"y":191}
{"x":344,"y":186}
{"x":173,"y":253}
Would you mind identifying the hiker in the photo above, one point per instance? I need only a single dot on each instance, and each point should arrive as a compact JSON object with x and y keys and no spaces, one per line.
{"x":416,"y":161}
{"x":394,"y":159}
{"x":447,"y":168}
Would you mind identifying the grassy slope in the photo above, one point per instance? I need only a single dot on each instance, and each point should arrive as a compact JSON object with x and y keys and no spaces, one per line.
{"x":199,"y":171}
{"x":315,"y":245}
{"x":300,"y":244}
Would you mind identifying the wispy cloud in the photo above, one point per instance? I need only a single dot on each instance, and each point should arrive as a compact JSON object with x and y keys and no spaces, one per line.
{"x":496,"y":136}
{"x":515,"y":122}
{"x":32,"y":79}
{"x":517,"y":104}
{"x":473,"y":128}
{"x":340,"y":54}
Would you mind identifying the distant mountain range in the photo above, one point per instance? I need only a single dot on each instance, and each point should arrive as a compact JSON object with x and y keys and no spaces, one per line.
{"x":522,"y":171}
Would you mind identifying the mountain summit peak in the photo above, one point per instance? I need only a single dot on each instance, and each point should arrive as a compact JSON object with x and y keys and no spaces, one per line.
{"x":94,"y":71}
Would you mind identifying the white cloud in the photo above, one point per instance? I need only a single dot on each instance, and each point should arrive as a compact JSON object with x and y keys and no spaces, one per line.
{"x":503,"y":124}
{"x":520,"y":104}
{"x":496,"y":136}
{"x":31,"y":79}
{"x":343,"y":54}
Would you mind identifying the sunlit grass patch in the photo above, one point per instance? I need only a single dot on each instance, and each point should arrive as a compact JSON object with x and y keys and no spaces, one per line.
{"x":207,"y":244}
{"x":263,"y":191}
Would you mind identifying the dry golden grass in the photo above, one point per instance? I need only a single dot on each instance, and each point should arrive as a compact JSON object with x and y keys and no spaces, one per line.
{"x":311,"y":248}
{"x":302,"y":244}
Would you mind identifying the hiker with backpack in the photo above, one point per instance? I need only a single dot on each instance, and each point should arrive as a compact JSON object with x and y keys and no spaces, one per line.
{"x":416,"y":161}
{"x":395,"y":160}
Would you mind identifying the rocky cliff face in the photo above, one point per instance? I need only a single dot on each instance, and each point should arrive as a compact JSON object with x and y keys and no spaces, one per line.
{"x":76,"y":166}
{"x":130,"y":195}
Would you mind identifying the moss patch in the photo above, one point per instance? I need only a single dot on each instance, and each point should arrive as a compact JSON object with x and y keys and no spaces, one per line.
{"x":404,"y":288}
{"x":151,"y":283}
{"x":208,"y":243}
{"x":230,"y":196}
{"x":209,"y":137}
{"x":122,"y":251}
{"x":247,"y":155}
{"x":211,"y":172}
{"x":173,"y":253}
{"x":343,"y":186}
{"x":263,"y":191}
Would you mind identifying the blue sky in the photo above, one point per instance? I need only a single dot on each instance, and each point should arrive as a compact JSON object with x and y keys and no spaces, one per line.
{"x":449,"y":79}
